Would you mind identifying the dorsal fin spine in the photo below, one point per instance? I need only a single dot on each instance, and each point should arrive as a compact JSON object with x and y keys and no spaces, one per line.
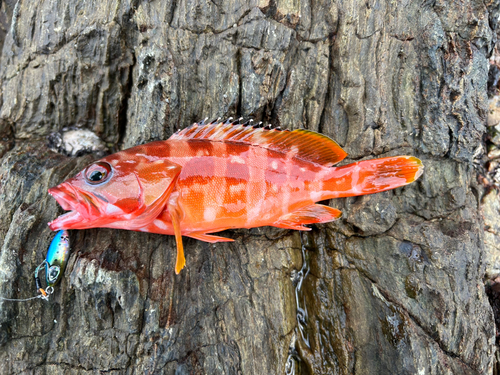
{"x":207,"y":133}
{"x":218,"y":132}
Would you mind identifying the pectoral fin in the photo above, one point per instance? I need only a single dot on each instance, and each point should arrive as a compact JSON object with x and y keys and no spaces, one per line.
{"x":156,"y":178}
{"x":157,"y":181}
{"x":175,"y":215}
{"x":315,"y":213}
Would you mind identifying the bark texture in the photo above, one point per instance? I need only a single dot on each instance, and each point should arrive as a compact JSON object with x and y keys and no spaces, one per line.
{"x":395,"y":287}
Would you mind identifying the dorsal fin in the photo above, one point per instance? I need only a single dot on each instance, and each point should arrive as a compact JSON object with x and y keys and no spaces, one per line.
{"x":305,"y":144}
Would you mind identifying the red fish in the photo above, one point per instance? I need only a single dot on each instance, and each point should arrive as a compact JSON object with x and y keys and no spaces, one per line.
{"x":211,"y":177}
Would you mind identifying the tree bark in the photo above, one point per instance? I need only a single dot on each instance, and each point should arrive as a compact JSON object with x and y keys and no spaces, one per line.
{"x":395,"y":287}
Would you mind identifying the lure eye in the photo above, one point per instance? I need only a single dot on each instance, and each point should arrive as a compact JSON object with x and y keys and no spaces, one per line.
{"x":53,"y":274}
{"x":98,"y":173}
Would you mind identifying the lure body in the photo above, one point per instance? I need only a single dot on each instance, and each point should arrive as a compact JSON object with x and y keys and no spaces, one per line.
{"x":57,"y":257}
{"x":212,"y":177}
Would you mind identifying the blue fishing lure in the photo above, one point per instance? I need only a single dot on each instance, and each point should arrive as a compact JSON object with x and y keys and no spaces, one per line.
{"x":55,"y":262}
{"x":57,"y":257}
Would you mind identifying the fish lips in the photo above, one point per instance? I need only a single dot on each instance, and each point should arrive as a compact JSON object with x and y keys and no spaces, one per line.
{"x":83,"y":209}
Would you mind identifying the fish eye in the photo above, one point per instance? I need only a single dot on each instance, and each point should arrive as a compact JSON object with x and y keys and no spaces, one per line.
{"x":98,"y":173}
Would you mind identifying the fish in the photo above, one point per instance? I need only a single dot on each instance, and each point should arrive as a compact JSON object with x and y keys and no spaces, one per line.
{"x":210,"y":177}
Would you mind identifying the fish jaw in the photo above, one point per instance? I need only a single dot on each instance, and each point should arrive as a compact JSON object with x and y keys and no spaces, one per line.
{"x":69,"y":220}
{"x":83,"y":210}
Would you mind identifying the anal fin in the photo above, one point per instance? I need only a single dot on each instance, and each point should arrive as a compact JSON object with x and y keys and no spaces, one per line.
{"x":313,"y":214}
{"x":208,"y":237}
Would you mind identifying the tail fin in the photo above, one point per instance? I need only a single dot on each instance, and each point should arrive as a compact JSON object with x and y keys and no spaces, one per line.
{"x":372,"y":176}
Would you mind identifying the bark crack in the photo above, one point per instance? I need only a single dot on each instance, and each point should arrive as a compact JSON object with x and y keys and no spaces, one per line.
{"x":417,"y":322}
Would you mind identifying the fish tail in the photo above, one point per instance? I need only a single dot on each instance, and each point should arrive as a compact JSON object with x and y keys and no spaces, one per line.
{"x":371,"y":176}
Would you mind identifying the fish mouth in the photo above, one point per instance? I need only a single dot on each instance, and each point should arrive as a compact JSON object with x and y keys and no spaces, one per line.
{"x":81,"y":207}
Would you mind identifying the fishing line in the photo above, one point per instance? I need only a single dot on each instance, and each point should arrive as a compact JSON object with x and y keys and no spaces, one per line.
{"x":44,"y":293}
{"x":45,"y":297}
{"x":23,"y":299}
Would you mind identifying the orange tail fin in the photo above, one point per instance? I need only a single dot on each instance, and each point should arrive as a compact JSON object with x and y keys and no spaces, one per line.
{"x":372,"y":176}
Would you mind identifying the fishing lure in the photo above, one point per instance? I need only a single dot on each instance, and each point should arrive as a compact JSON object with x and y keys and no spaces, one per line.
{"x":57,"y":258}
{"x":211,"y":177}
{"x":54,"y":263}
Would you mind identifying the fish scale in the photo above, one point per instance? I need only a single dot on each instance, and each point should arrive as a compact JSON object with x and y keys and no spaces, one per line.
{"x":211,"y":177}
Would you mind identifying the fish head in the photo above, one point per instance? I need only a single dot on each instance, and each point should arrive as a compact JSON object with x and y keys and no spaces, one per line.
{"x":122,"y":187}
